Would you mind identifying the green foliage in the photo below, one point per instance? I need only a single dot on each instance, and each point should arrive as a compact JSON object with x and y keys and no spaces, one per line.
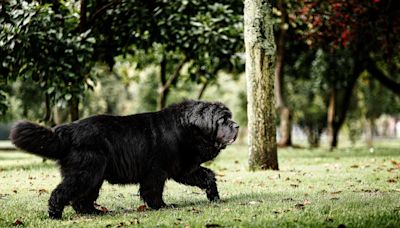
{"x":43,"y":46}
{"x":56,"y":45}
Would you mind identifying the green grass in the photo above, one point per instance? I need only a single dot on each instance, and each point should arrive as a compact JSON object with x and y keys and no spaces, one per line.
{"x":314,"y":188}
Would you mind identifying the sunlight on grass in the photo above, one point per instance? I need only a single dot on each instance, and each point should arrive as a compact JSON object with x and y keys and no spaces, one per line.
{"x":314,"y":188}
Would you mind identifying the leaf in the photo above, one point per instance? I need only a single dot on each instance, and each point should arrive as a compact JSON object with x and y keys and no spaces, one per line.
{"x":307,"y":202}
{"x":42,"y":191}
{"x":208,"y":225}
{"x":142,"y":208}
{"x":392,"y":181}
{"x":68,"y":96}
{"x":194,"y":210}
{"x":135,"y":221}
{"x":104,"y":209}
{"x":354,"y":166}
{"x":18,"y":222}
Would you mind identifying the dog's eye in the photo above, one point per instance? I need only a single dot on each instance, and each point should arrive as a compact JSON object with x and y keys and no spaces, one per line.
{"x":222,"y":120}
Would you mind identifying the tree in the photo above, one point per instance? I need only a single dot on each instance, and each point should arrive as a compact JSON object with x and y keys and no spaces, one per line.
{"x":56,"y":43}
{"x":38,"y":43}
{"x":260,"y":59}
{"x":285,"y":115}
{"x":356,"y":30}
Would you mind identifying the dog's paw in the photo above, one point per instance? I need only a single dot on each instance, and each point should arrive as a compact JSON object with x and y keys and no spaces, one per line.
{"x":171,"y":206}
{"x":213,"y":198}
{"x":55,"y":215}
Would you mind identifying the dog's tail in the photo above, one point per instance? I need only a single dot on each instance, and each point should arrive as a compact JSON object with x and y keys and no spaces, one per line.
{"x":38,"y":140}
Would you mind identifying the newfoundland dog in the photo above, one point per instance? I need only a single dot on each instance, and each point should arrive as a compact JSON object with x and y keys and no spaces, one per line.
{"x":146,"y":149}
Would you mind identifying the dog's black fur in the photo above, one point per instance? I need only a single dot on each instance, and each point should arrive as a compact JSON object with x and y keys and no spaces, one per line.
{"x":146,"y":148}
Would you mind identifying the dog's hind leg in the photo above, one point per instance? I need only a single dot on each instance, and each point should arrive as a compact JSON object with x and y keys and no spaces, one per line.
{"x":82,"y":176}
{"x":152,"y":187}
{"x":85,"y":205}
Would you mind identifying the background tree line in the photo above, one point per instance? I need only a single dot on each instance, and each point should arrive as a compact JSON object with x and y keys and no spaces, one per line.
{"x":337,"y":61}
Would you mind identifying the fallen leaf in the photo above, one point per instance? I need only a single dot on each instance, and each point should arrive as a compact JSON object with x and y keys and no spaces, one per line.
{"x":294,"y":185}
{"x":370,"y":190}
{"x":135,"y":221}
{"x":299,"y":206}
{"x":18,"y":222}
{"x":329,"y":219}
{"x":103,"y":209}
{"x":142,"y":208}
{"x":42,"y":191}
{"x":354,"y":166}
{"x":121,"y":224}
{"x":307,"y":202}
{"x":194,"y":210}
{"x":212,"y":225}
{"x":394,"y":162}
{"x":15,"y":191}
{"x":254,"y":202}
{"x":392,"y":181}
{"x":3,"y":195}
{"x":337,"y":192}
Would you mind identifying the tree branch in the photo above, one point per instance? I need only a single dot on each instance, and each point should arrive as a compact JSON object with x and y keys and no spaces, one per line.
{"x":376,"y":73}
{"x":101,"y":10}
{"x":174,"y":76}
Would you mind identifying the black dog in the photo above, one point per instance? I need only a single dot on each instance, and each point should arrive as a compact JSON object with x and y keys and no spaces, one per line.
{"x":146,"y":148}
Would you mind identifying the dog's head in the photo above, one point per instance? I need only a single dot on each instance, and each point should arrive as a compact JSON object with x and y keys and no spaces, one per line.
{"x":214,"y":122}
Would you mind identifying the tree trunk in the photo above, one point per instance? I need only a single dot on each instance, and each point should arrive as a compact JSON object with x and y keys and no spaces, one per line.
{"x":163,"y":91}
{"x":260,"y":58}
{"x":47,"y":118}
{"x":285,"y":115}
{"x":166,"y":84}
{"x":371,"y":131}
{"x":74,"y":102}
{"x":285,"y":127}
{"x":203,"y":89}
{"x":332,"y":134}
{"x":313,"y":136}
{"x":74,"y":108}
{"x":339,"y":104}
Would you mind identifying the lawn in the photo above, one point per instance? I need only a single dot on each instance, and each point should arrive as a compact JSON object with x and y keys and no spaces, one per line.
{"x":350,"y":187}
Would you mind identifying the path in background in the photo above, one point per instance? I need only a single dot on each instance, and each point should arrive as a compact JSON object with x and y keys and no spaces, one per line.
{"x":6,"y":145}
